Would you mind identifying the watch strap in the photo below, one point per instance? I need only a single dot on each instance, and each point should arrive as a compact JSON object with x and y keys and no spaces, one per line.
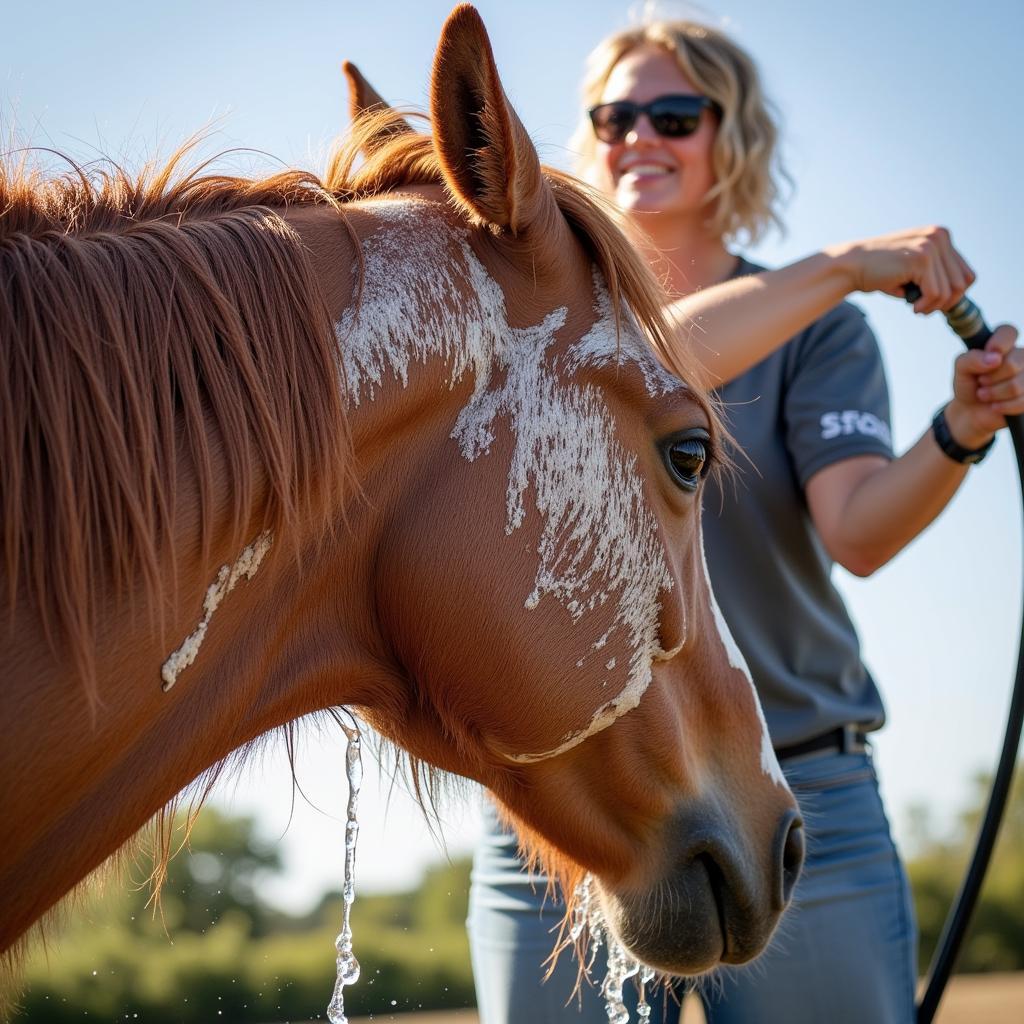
{"x":950,"y":448}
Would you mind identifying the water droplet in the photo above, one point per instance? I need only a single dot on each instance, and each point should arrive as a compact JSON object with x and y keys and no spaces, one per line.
{"x":643,"y":1008}
{"x":620,"y":967}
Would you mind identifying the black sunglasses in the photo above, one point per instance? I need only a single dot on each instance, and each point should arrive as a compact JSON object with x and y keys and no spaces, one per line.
{"x":675,"y":117}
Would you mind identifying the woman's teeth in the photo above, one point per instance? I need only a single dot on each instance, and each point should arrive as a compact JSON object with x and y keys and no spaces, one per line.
{"x":645,"y":170}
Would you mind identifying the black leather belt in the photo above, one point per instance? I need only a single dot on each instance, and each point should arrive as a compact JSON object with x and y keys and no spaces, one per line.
{"x":846,"y":739}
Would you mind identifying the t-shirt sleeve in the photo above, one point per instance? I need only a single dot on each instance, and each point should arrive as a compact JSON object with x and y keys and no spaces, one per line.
{"x":837,"y":399}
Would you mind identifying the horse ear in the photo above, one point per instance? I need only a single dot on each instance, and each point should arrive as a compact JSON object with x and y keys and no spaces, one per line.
{"x":364,"y":99}
{"x":488,"y":161}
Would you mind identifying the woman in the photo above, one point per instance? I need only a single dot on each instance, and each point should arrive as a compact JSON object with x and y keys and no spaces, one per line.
{"x":680,"y":138}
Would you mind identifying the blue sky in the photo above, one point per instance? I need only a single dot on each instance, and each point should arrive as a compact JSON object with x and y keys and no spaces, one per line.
{"x":893,"y":114}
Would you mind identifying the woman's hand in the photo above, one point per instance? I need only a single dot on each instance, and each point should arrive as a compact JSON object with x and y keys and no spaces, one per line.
{"x":925,"y":256}
{"x":731,"y":326}
{"x":988,"y":385}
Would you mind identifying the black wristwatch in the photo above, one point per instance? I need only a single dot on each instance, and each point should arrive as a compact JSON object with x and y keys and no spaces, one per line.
{"x":954,"y":451}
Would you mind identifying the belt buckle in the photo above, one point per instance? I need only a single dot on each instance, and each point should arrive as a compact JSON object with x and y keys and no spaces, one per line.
{"x":851,"y":740}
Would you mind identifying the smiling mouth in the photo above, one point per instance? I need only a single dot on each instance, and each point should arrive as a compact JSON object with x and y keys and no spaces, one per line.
{"x":641,"y":171}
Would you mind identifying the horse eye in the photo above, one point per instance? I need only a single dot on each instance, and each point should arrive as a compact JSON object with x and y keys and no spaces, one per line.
{"x":687,"y":458}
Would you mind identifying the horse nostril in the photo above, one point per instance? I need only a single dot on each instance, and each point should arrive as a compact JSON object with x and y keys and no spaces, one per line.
{"x":718,"y":886}
{"x":792,"y":856}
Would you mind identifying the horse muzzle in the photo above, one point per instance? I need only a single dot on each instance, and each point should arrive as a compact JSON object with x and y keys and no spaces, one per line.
{"x":717,"y":903}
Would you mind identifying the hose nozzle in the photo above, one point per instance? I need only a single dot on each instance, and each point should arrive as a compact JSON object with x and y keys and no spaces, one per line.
{"x":964,"y":318}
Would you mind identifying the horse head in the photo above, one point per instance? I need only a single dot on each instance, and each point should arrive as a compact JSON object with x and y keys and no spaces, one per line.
{"x":602,"y":701}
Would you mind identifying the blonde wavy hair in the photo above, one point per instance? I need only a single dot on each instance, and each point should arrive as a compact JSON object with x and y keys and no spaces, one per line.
{"x":749,"y":175}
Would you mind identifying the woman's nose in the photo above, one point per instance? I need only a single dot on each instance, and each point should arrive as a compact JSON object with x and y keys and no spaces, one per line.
{"x":641,"y":132}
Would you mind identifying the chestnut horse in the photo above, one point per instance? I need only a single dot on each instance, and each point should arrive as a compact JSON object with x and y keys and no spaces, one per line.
{"x":394,"y":439}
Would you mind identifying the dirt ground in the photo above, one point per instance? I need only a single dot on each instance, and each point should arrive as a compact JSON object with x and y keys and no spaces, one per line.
{"x":971,"y":999}
{"x":983,"y":999}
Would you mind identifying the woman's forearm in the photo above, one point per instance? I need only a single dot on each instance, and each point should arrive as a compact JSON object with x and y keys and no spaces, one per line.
{"x":887,"y":508}
{"x":732,"y":326}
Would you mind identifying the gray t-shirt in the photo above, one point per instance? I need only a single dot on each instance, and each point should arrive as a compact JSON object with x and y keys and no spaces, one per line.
{"x":820,"y":398}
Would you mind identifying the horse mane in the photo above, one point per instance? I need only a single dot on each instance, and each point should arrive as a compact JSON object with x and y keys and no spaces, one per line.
{"x":135,"y":313}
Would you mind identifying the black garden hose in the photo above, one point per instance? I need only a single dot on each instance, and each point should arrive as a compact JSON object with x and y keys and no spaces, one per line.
{"x":965,"y":318}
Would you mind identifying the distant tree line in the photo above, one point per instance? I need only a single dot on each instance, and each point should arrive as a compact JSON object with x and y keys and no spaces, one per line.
{"x":214,"y":950}
{"x":995,"y":941}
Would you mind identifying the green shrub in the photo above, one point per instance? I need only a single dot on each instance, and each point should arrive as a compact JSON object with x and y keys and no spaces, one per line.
{"x":217,"y":953}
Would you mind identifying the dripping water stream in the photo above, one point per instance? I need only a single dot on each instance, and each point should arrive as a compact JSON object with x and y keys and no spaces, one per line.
{"x":621,"y":966}
{"x":348,"y":965}
{"x":586,"y":915}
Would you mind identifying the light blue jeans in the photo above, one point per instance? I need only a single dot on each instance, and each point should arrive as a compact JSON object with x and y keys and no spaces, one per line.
{"x":845,"y":952}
